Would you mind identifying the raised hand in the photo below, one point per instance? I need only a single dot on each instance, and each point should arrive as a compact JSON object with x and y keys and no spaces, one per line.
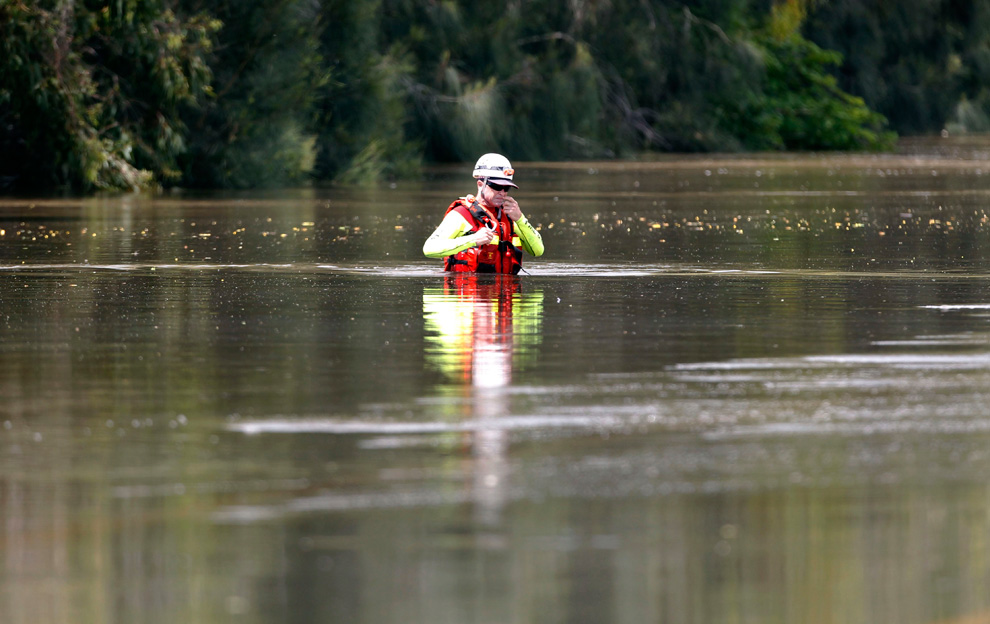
{"x":511,"y":208}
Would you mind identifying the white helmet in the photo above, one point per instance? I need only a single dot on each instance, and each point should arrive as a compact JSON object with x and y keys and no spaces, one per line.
{"x":494,"y":167}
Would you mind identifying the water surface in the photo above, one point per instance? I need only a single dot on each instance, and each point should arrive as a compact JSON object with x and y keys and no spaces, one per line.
{"x":734,"y":389}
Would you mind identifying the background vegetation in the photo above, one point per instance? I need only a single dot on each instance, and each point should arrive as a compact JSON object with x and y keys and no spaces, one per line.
{"x":119,"y":94}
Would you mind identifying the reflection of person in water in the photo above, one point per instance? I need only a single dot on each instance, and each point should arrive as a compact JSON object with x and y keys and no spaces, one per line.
{"x":486,"y":233}
{"x":479,"y":329}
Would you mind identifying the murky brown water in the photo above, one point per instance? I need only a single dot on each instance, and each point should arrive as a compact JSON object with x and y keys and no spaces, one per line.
{"x":733,"y":390}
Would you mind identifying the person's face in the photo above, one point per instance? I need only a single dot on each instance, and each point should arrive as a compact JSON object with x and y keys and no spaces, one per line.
{"x":493,"y":194}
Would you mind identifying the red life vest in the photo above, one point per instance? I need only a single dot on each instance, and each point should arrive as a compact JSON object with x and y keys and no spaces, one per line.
{"x":503,"y":257}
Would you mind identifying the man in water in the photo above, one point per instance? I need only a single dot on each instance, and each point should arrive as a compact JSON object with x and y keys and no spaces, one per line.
{"x":486,"y":233}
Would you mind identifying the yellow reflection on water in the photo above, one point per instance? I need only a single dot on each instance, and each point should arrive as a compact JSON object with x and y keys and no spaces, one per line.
{"x":480,"y":330}
{"x":481,"y":327}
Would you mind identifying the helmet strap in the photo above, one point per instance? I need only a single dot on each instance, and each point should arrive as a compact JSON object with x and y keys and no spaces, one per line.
{"x":481,"y":191}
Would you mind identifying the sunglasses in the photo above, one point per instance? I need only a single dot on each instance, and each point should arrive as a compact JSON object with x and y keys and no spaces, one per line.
{"x":498,"y":187}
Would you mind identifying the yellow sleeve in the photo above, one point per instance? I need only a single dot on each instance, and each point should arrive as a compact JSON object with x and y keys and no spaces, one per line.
{"x":532,"y":242}
{"x":449,"y":237}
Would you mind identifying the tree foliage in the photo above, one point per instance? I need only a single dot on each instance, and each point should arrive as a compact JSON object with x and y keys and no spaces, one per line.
{"x":362,"y":108}
{"x":924,"y":64}
{"x":91,"y":92}
{"x":197,"y":93}
{"x":257,"y":127}
{"x":799,"y":104}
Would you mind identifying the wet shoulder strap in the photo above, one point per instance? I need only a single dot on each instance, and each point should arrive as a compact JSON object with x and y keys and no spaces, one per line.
{"x":479,"y":214}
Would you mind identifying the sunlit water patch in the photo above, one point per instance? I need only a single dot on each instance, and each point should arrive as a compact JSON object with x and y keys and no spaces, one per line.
{"x":334,"y":426}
